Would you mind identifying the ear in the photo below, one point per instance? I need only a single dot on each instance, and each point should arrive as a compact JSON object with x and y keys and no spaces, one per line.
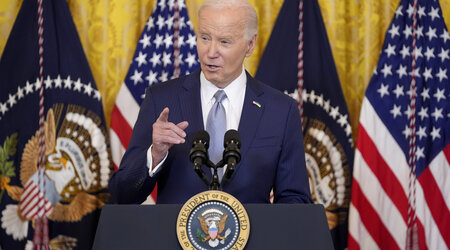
{"x":251,"y":45}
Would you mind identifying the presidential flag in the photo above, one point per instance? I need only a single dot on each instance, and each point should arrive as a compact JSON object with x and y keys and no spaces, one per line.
{"x":44,"y":52}
{"x":166,"y":49}
{"x":298,"y":61}
{"x":400,"y":190}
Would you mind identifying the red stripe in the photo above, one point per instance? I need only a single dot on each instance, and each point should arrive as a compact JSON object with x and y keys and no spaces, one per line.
{"x":352,"y":244}
{"x":371,"y":220}
{"x":436,"y":203}
{"x":35,"y":197}
{"x":154,"y":193}
{"x":447,"y":153}
{"x":421,"y":234}
{"x":121,"y":127}
{"x":22,"y":200}
{"x":383,"y":172}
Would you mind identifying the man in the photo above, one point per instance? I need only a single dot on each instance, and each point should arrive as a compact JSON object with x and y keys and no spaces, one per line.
{"x":172,"y":112}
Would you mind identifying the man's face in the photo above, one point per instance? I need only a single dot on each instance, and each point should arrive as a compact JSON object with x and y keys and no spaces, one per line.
{"x":221,"y":44}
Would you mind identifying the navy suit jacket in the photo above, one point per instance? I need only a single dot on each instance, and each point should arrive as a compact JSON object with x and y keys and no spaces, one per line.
{"x":271,"y":139}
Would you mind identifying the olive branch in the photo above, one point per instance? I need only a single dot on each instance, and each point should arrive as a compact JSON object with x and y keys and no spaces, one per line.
{"x":7,"y":168}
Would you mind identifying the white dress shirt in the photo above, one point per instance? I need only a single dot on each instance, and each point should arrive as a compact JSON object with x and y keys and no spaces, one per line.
{"x":233,"y":105}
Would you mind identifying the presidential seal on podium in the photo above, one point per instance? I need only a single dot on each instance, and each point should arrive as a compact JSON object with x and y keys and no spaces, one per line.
{"x":213,"y":220}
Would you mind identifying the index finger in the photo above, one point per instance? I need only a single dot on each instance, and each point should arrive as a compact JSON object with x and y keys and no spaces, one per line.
{"x":164,"y":116}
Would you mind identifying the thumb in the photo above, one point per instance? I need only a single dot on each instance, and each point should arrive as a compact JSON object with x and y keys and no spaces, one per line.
{"x":183,"y":125}
{"x":164,"y":116}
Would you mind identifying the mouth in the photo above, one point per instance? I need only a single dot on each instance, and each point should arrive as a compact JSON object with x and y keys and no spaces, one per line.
{"x":212,"y":67}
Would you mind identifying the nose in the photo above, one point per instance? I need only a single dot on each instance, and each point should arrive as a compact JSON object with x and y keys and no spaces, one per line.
{"x":213,"y":49}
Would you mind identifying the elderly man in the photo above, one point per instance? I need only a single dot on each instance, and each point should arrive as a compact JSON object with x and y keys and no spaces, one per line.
{"x":267,"y":120}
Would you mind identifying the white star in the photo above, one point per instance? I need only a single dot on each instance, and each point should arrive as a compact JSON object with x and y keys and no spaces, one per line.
{"x":425,"y":94}
{"x":342,"y":120}
{"x":181,"y":41}
{"x":404,"y":52}
{"x":326,"y":105}
{"x":445,"y":36}
{"x":88,"y":89}
{"x":179,"y":59}
{"x":158,"y":41}
{"x":150,"y":23}
{"x":160,"y":22}
{"x":442,"y":74}
{"x":3,"y":108}
{"x":312,"y":97}
{"x":191,"y":41}
{"x":191,"y":60}
{"x":319,"y":101}
{"x":386,"y":70}
{"x":407,"y":31}
{"x":437,"y":114}
{"x":408,"y":112}
{"x":171,"y":4}
{"x":68,"y":83}
{"x":434,"y":13}
{"x":444,"y":54}
{"x":28,"y":88}
{"x":181,"y":23}
{"x":440,"y":94}
{"x":37,"y":84}
{"x":334,"y":112}
{"x":398,"y":91}
{"x":406,"y":131}
{"x":423,"y":113}
{"x":401,"y":71}
{"x":19,"y":93}
{"x":155,"y":59}
{"x":421,"y":11}
{"x":419,"y":153}
{"x":58,"y":82}
{"x":12,"y":100}
{"x":431,"y":33}
{"x":169,"y":22}
{"x":383,"y":90}
{"x":136,"y":77}
{"x":145,"y":41}
{"x":151,"y":78}
{"x":427,"y":74}
{"x":166,"y":59}
{"x":419,"y":31}
{"x":429,"y":53}
{"x":181,"y":5}
{"x":168,"y":40}
{"x":395,"y":111}
{"x":48,"y":83}
{"x":394,"y":31}
{"x":435,"y":133}
{"x":421,"y":133}
{"x":390,"y":50}
{"x":162,"y":4}
{"x":410,"y":10}
{"x":97,"y":95}
{"x":77,"y":85}
{"x":398,"y":12}
{"x":141,"y":59}
{"x":417,"y":52}
{"x":163,"y":76}
{"x":416,"y":72}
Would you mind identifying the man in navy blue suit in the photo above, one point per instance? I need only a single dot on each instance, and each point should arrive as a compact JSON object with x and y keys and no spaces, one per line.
{"x":172,"y":112}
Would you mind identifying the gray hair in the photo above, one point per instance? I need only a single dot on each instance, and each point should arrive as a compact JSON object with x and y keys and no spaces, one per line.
{"x":251,"y":23}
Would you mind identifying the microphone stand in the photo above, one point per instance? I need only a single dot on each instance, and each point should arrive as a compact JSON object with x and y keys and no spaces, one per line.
{"x":215,"y":183}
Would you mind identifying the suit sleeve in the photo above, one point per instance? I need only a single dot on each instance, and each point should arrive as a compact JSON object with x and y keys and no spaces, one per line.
{"x":291,"y":183}
{"x":131,"y":183}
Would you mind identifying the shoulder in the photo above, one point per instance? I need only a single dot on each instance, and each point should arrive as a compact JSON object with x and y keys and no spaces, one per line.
{"x":174,"y":85}
{"x":270,"y":94}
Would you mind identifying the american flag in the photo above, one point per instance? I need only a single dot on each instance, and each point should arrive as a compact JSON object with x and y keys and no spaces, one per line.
{"x":386,"y":200}
{"x":167,"y":35}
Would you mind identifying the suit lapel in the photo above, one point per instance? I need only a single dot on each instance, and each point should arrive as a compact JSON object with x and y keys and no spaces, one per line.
{"x":191,"y":108}
{"x":251,"y":114}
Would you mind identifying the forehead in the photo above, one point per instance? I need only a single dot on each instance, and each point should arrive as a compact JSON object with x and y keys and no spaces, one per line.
{"x":226,"y":21}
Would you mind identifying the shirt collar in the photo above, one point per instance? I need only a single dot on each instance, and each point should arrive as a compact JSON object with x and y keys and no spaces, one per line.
{"x":234,"y":90}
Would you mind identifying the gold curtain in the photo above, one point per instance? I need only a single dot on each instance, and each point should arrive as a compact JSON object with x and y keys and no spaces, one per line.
{"x":109,"y":31}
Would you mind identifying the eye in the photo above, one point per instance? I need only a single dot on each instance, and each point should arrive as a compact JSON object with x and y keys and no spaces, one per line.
{"x":225,"y":42}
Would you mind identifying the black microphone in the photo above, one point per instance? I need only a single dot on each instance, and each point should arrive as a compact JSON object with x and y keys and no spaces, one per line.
{"x":199,"y":153}
{"x":231,"y":154}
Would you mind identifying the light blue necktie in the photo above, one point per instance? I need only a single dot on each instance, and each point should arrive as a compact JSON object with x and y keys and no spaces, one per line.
{"x":216,"y":125}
